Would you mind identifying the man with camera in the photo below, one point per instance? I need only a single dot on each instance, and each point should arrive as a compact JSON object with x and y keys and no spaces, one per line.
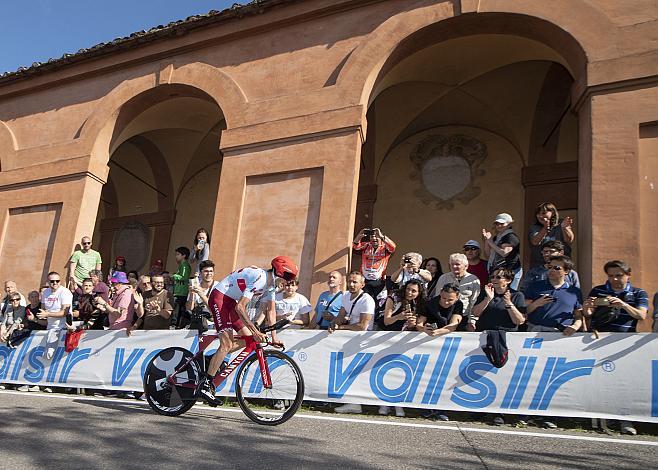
{"x":376,"y":249}
{"x":410,"y":270}
{"x":619,"y":307}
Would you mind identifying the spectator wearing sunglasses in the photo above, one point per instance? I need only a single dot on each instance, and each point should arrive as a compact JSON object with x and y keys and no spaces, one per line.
{"x":476,"y":265}
{"x":554,"y":304}
{"x":540,"y":273}
{"x":56,"y":301}
{"x":82,"y":261}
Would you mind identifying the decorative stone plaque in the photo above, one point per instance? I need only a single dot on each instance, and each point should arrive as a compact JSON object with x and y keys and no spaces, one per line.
{"x":132,"y":241}
{"x":447,"y":167}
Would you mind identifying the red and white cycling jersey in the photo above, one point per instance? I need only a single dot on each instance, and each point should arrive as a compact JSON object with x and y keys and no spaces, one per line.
{"x":247,"y":282}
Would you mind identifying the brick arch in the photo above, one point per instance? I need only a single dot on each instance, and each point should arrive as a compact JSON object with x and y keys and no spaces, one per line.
{"x":7,"y":145}
{"x":544,"y":22}
{"x":134,"y":96}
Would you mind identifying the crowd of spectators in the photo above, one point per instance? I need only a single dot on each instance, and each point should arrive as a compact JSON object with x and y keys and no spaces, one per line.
{"x":484,"y":288}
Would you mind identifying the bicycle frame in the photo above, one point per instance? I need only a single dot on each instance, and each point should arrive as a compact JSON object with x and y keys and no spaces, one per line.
{"x":250,"y":346}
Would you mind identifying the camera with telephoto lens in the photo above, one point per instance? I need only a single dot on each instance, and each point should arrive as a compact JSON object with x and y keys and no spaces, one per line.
{"x":368,"y":233}
{"x":407,"y":259}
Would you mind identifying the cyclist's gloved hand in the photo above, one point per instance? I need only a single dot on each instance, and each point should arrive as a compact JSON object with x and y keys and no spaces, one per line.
{"x":278,"y":344}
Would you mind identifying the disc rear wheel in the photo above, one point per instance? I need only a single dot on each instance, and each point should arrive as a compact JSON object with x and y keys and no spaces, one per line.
{"x":165,"y":397}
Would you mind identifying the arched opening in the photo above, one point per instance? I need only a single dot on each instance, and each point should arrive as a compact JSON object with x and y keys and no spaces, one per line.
{"x":469,"y":118}
{"x":164,"y":173}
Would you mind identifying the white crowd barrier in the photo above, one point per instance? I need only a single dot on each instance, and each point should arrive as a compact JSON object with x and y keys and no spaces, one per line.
{"x":548,"y":374}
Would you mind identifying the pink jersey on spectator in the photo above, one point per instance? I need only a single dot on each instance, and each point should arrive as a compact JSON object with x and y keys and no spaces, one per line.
{"x":246,"y":282}
{"x":374,"y":260}
{"x":122,"y":301}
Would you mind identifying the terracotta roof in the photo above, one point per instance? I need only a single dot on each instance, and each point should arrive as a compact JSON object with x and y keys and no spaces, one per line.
{"x":173,"y":29}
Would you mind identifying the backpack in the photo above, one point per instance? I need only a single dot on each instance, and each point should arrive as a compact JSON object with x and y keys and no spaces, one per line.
{"x":496,"y":348}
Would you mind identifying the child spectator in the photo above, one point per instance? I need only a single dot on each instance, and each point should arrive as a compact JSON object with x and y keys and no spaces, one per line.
{"x":181,"y":287}
{"x":119,"y":265}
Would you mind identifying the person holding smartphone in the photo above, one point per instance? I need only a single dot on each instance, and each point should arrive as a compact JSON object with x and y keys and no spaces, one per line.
{"x":200,"y":248}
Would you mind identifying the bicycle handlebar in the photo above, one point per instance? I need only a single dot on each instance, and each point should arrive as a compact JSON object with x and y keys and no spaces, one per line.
{"x":277,"y":326}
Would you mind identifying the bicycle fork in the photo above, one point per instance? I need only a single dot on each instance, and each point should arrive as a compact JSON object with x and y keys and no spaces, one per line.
{"x":264,"y":368}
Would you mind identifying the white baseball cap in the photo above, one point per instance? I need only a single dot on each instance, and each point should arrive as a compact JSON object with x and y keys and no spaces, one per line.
{"x":504,"y":218}
{"x":472,"y":243}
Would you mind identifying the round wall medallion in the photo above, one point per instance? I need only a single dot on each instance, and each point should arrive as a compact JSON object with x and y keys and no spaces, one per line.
{"x":447,"y":168}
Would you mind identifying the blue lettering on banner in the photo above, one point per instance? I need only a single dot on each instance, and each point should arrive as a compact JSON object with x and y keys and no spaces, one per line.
{"x":72,"y":359}
{"x":6,"y":355}
{"x":38,"y":369}
{"x":19,"y":360}
{"x":54,"y":364}
{"x":442,"y":367}
{"x":468,"y":373}
{"x":146,"y":361}
{"x":121,"y":370}
{"x":556,"y":373}
{"x":654,"y":388}
{"x":412,"y":368}
{"x":341,"y":379}
{"x":519,"y":382}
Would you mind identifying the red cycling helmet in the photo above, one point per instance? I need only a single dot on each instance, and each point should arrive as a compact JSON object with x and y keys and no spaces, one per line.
{"x":285,"y":268}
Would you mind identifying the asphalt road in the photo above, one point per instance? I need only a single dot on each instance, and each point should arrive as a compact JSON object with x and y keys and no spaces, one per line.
{"x":67,"y":431}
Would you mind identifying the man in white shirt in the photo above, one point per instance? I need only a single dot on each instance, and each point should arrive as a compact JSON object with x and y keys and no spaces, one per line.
{"x":356,"y":314}
{"x":56,"y":301}
{"x":358,"y":309}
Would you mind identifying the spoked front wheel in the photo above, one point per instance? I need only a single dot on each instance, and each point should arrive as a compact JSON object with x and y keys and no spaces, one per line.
{"x":169,"y":392}
{"x":275,"y":405}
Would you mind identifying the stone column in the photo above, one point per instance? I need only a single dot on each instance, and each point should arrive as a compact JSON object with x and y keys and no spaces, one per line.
{"x":621,"y":175}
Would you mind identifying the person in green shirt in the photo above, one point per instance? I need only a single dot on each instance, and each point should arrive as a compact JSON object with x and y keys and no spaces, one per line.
{"x":82,"y":261}
{"x":181,"y":284}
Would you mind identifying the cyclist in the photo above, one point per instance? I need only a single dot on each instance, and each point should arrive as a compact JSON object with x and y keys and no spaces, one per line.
{"x":228,"y":306}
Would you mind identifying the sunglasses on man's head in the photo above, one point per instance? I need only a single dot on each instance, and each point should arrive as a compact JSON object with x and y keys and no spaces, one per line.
{"x":471,"y":248}
{"x":86,"y":243}
{"x":53,"y":281}
{"x":16,"y":299}
{"x":556,"y":268}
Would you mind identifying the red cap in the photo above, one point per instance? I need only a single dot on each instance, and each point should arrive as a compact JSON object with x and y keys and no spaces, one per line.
{"x":158,"y":262}
{"x":120,"y":258}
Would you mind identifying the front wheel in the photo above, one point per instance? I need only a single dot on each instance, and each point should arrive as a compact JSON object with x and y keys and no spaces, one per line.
{"x":164,"y":397}
{"x":275,"y":405}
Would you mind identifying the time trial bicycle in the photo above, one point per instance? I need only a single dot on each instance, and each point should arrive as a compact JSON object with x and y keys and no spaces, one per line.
{"x":269,"y":385}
